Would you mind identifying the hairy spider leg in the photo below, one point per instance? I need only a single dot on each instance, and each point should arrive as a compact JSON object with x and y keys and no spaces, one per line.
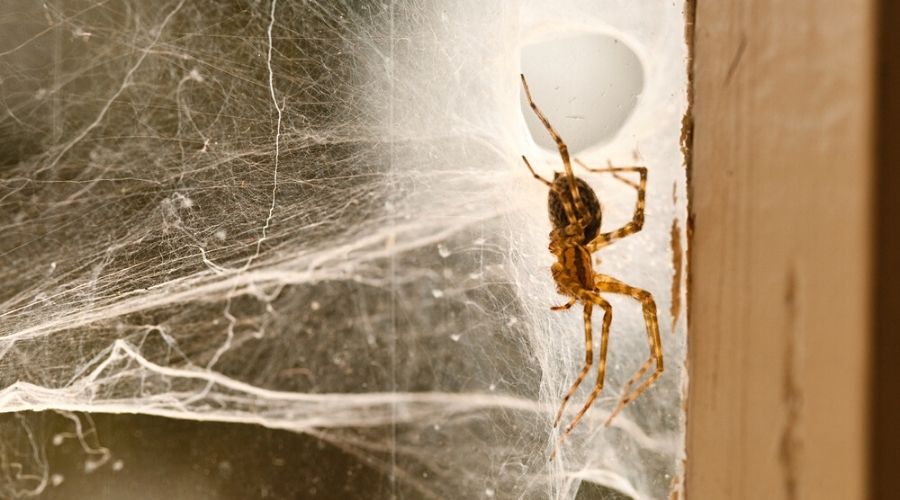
{"x":625,"y":398}
{"x":588,"y":361}
{"x":566,"y":306}
{"x":563,"y":153}
{"x":589,"y":298}
{"x":637,"y":219}
{"x":535,"y":174}
{"x":612,"y":285}
{"x":610,"y":169}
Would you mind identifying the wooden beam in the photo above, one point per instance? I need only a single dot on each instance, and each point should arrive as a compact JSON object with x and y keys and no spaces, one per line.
{"x":885,"y":433}
{"x":780,"y":256}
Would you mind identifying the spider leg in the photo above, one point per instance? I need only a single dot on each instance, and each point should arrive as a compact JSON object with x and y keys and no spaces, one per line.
{"x":612,"y":285}
{"x":563,"y":151}
{"x":536,"y":176}
{"x":629,"y":397}
{"x":637,"y":219}
{"x":588,"y":361}
{"x":564,"y":307}
{"x":614,"y":171}
{"x":590,"y":299}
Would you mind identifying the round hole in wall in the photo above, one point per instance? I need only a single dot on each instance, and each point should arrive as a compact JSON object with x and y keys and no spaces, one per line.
{"x":587,"y":84}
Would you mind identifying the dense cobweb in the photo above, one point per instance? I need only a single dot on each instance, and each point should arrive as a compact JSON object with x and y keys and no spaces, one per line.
{"x":313,"y":216}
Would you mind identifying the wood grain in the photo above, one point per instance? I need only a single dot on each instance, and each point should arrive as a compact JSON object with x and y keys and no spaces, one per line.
{"x":779,"y":278}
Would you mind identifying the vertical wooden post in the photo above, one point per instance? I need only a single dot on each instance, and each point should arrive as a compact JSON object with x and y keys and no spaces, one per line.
{"x":780,"y":256}
{"x":885,"y":432}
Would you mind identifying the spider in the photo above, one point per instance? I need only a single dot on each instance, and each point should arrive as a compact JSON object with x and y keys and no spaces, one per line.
{"x":575,"y":214}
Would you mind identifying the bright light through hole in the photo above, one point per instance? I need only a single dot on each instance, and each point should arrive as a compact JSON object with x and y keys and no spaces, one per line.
{"x":588,"y":84}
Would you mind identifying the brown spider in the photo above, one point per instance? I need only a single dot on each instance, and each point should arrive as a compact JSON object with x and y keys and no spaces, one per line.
{"x":576,"y":215}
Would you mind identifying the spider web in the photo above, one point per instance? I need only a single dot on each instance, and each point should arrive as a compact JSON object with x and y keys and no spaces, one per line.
{"x":312,"y":216}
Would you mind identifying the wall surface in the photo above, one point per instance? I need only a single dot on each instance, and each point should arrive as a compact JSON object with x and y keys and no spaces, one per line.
{"x":780,"y":254}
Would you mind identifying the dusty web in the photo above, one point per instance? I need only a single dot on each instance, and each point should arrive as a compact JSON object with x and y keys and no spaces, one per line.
{"x":312,"y":216}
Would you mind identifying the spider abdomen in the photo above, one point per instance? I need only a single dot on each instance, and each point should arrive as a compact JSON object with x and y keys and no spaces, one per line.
{"x":556,"y":207}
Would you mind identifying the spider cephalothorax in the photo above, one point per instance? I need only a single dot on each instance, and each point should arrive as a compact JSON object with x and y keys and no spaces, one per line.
{"x":576,"y":215}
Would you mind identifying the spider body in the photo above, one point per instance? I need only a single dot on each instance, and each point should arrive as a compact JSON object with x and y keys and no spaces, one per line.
{"x":576,"y":216}
{"x":573,"y":270}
